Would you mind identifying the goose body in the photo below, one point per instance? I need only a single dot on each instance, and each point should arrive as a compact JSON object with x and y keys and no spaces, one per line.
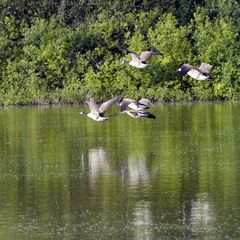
{"x":140,"y":61}
{"x":137,"y":64}
{"x":137,"y":106}
{"x":201,"y":73}
{"x":96,"y":117}
{"x":97,"y":113}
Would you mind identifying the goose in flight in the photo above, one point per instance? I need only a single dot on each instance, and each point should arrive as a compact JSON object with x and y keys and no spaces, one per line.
{"x":97,"y":113}
{"x":201,"y":73}
{"x":142,"y":104}
{"x":140,"y":61}
{"x":137,"y":108}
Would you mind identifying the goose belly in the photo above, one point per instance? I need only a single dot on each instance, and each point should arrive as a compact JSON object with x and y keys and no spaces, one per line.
{"x":137,"y":64}
{"x":203,"y":77}
{"x":197,"y":75}
{"x":96,"y":117}
{"x":137,"y":106}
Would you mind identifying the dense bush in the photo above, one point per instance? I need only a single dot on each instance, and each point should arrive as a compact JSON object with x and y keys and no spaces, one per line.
{"x":57,"y":51}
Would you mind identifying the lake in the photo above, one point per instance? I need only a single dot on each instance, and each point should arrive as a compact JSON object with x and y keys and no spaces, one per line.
{"x":65,"y":176}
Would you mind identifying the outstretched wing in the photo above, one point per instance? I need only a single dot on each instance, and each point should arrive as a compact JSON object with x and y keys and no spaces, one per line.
{"x":144,"y":101}
{"x":205,"y":68}
{"x":185,"y":68}
{"x":145,"y":55}
{"x":92,"y":105}
{"x":134,"y":56}
{"x":195,"y":73}
{"x":125,"y":102}
{"x":106,"y":105}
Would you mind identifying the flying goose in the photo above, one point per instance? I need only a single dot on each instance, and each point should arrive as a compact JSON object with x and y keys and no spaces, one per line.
{"x":137,"y":106}
{"x":200,"y":73}
{"x":143,"y":103}
{"x":141,"y":61}
{"x":97,"y":113}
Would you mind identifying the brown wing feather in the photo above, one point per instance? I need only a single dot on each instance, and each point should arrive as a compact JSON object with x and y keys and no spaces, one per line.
{"x":205,"y":68}
{"x":185,"y":68}
{"x":194,"y":73}
{"x":124,"y":104}
{"x":91,"y":104}
{"x":144,"y":101}
{"x":145,"y":55}
{"x":106,"y":105}
{"x":134,"y":56}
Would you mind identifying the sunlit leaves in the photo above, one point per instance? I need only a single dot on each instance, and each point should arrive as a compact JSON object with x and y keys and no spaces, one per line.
{"x":216,"y":42}
{"x":66,"y":55}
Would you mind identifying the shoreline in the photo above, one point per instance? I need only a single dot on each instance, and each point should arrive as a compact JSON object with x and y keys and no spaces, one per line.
{"x":169,"y":102}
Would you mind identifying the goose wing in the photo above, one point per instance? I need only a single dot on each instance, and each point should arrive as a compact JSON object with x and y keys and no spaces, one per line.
{"x":134,"y":56}
{"x":145,"y":55}
{"x":185,"y":68}
{"x":92,"y":105}
{"x":125,"y":102}
{"x":106,"y":105}
{"x":205,"y":68}
{"x":144,"y":101}
{"x":195,"y":73}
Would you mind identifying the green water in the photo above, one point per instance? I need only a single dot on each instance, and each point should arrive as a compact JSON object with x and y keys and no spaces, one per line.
{"x":64,"y":176}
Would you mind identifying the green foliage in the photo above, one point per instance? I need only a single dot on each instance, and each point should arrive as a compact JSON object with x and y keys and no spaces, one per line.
{"x":59,"y":51}
{"x":216,"y":42}
{"x":227,"y":10}
{"x":172,"y":39}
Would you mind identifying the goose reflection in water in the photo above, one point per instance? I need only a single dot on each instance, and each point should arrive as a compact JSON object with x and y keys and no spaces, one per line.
{"x":138,"y":172}
{"x":143,"y":221}
{"x":134,"y":173}
{"x":202,"y":214}
{"x":98,"y":163}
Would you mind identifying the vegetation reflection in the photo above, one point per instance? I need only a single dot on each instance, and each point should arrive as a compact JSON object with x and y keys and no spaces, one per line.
{"x":177,"y":176}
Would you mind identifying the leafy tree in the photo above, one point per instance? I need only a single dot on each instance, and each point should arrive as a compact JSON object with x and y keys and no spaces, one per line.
{"x":57,"y":51}
{"x":216,"y":42}
{"x":172,"y":39}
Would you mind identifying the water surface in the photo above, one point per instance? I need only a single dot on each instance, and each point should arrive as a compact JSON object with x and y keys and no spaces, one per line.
{"x":64,"y":176}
